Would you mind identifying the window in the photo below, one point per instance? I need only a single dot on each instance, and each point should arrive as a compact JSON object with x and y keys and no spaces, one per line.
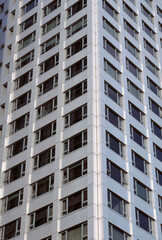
{"x":112,"y":71}
{"x":13,"y":200}
{"x":49,"y":63}
{"x":110,"y":29}
{"x":133,"y":69}
{"x":25,"y":60}
{"x":136,"y":113}
{"x":129,"y":12}
{"x":137,"y":136}
{"x":153,"y":87}
{"x":29,"y":6}
{"x":113,"y":93}
{"x":160,"y":203}
{"x":79,"y":232}
{"x":75,"y":116}
{"x":75,"y":170}
{"x":114,"y":144}
{"x":19,"y":123}
{"x":116,"y":173}
{"x":144,"y":221}
{"x":23,"y":79}
{"x":41,"y":216}
{"x":147,"y":14}
{"x":1,"y":8}
{"x":47,"y":238}
{"x":134,"y":90}
{"x":47,"y":108}
{"x":113,"y":118}
{"x":42,"y":186}
{"x":149,"y":2}
{"x":156,"y":129}
{"x":79,"y":5}
{"x":117,"y":203}
{"x":131,"y":30}
{"x":76,"y":47}
{"x":76,"y":91}
{"x":52,"y":42}
{"x":75,"y":142}
{"x":44,"y":158}
{"x":158,"y":176}
{"x":157,"y":152}
{"x":75,"y":201}
{"x":155,"y":107}
{"x":131,"y":48}
{"x":139,"y":162}
{"x":48,"y":85}
{"x":148,"y":30}
{"x":116,"y":233}
{"x":17,"y":147}
{"x":28,"y":23}
{"x":14,"y":173}
{"x":45,"y":132}
{"x":77,"y":26}
{"x":10,"y":230}
{"x":21,"y":101}
{"x":51,"y":7}
{"x":153,"y":68}
{"x":159,"y":11}
{"x":26,"y":41}
{"x":51,"y":24}
{"x":76,"y":68}
{"x":160,"y":26}
{"x":109,"y":47}
{"x":141,"y":190}
{"x":110,"y":10}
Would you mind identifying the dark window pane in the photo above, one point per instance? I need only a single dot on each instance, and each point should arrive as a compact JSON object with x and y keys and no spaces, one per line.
{"x":29,"y":6}
{"x":15,"y":173}
{"x":155,"y":108}
{"x":45,"y":132}
{"x":23,"y":80}
{"x":77,"y":7}
{"x":112,"y":94}
{"x":49,"y":64}
{"x":20,"y":123}
{"x":74,"y":202}
{"x":113,"y":118}
{"x":28,"y":22}
{"x":135,"y":113}
{"x":76,"y":116}
{"x":17,"y":147}
{"x":139,"y":163}
{"x":117,"y":234}
{"x":48,"y":85}
{"x":114,"y":144}
{"x":141,"y":191}
{"x":43,"y":186}
{"x":157,"y":130}
{"x":21,"y":101}
{"x":76,"y":47}
{"x":115,"y":173}
{"x":143,"y":221}
{"x":137,"y":137}
{"x":116,"y":204}
{"x":75,"y":172}
{"x":76,"y":92}
{"x":77,"y":68}
{"x":160,"y":178}
{"x":41,"y":217}
{"x":13,"y":200}
{"x":10,"y":230}
{"x":44,"y":158}
{"x":159,"y":153}
{"x":75,"y":142}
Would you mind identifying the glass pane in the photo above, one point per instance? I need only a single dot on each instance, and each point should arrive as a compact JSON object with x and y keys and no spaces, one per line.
{"x":117,"y":234}
{"x":134,"y":90}
{"x":76,"y":116}
{"x":50,"y":44}
{"x":27,"y":41}
{"x":76,"y":92}
{"x":44,"y":158}
{"x":114,"y":144}
{"x":143,"y":221}
{"x":52,"y":6}
{"x":112,"y":94}
{"x":77,"y":68}
{"x":115,"y":173}
{"x":74,"y":202}
{"x":159,"y":153}
{"x":113,"y":118}
{"x":10,"y":230}
{"x":75,"y":172}
{"x":77,"y":27}
{"x":75,"y":142}
{"x":49,"y":64}
{"x":153,"y":87}
{"x":45,"y":132}
{"x":47,"y":108}
{"x":13,"y":201}
{"x":117,"y":204}
{"x":74,"y":234}
{"x":136,"y":113}
{"x":29,"y":6}
{"x":76,"y":8}
{"x":28,"y":23}
{"x":17,"y":147}
{"x":141,"y":191}
{"x":43,"y":186}
{"x":51,"y":25}
{"x":20,"y":123}
{"x":48,"y":85}
{"x":15,"y":173}
{"x":110,"y":49}
{"x":24,"y":80}
{"x":139,"y":163}
{"x":137,"y":137}
{"x":25,"y":60}
{"x":155,"y":108}
{"x":41,"y":217}
{"x":76,"y":47}
{"x":109,"y":9}
{"x":21,"y":101}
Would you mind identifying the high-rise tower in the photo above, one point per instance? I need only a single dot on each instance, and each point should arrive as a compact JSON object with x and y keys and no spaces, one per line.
{"x":81,"y":119}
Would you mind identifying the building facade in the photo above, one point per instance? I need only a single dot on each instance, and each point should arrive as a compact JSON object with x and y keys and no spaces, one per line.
{"x":81,"y":119}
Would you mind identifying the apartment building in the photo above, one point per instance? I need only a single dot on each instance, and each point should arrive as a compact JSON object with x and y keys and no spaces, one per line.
{"x":81,"y":119}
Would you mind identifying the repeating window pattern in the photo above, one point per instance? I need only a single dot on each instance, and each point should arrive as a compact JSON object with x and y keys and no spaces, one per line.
{"x":14,"y":173}
{"x":75,"y":201}
{"x":147,"y":14}
{"x":110,"y":10}
{"x":75,"y":142}
{"x":75,"y":116}
{"x":23,"y":80}
{"x":132,"y":31}
{"x":28,"y":23}
{"x":23,"y":61}
{"x":19,"y":123}
{"x":80,"y":230}
{"x":75,"y":8}
{"x":47,"y":108}
{"x":148,"y":30}
{"x":114,"y":144}
{"x":17,"y":147}
{"x":116,"y":173}
{"x":42,"y":186}
{"x":110,"y":29}
{"x":13,"y":200}
{"x":29,"y":6}
{"x":157,"y":152}
{"x":44,"y":158}
{"x":51,"y":24}
{"x":76,"y":68}
{"x":142,"y":191}
{"x":129,"y":12}
{"x":45,"y":132}
{"x":26,"y":41}
{"x":48,"y":85}
{"x":76,"y":91}
{"x":144,"y":221}
{"x":150,"y":48}
{"x":117,"y":203}
{"x":49,"y":63}
{"x":10,"y":230}
{"x":51,"y":7}
{"x":40,"y":216}
{"x":116,"y":233}
{"x":77,"y":26}
{"x":74,"y":171}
